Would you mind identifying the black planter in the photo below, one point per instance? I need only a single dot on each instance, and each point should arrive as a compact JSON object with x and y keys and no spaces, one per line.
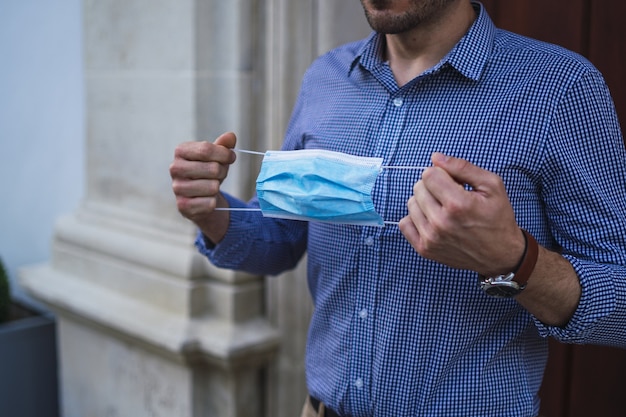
{"x":28,"y":366}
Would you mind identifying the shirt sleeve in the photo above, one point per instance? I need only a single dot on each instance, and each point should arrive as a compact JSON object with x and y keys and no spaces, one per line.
{"x":256,"y":244}
{"x":585,"y":196}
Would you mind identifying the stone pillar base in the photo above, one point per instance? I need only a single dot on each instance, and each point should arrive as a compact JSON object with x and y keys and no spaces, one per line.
{"x":142,"y":332}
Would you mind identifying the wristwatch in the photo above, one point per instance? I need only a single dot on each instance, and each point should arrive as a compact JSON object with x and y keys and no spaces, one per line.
{"x":513,"y":283}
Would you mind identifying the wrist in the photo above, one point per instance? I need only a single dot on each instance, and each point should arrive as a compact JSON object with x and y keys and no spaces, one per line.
{"x":513,"y":282}
{"x":214,"y":225}
{"x":514,"y":251}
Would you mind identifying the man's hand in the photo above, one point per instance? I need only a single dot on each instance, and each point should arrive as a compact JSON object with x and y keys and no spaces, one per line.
{"x":476,"y":230}
{"x":197,"y":173}
{"x":466,"y":229}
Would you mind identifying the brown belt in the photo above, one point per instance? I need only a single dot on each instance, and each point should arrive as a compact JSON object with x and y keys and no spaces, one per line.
{"x":327,"y":411}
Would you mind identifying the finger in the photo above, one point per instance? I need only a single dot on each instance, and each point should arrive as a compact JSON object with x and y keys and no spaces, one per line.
{"x":464,"y":172}
{"x":425,"y":226}
{"x":183,"y":169}
{"x":437,"y":190}
{"x":414,"y":225}
{"x":410,"y":232}
{"x":227,"y":140}
{"x":196,"y":188}
{"x":195,"y":207}
{"x":204,"y":151}
{"x":429,"y":206}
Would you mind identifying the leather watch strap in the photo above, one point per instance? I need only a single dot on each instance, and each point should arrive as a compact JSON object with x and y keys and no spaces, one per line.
{"x":529,"y":260}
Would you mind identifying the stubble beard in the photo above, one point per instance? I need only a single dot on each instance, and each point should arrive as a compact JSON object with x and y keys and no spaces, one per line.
{"x":421,"y":13}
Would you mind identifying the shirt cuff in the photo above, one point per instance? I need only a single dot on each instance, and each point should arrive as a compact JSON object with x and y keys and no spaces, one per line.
{"x":597,"y":302}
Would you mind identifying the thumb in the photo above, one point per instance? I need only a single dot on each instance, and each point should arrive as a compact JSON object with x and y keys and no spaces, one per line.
{"x":228,"y":140}
{"x":461,"y":170}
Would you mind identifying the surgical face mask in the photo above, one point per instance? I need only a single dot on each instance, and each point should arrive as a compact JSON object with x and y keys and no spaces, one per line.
{"x":318,"y":185}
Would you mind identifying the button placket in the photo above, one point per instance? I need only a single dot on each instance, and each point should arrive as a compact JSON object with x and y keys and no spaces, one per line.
{"x":363,"y":325}
{"x":390,"y":132}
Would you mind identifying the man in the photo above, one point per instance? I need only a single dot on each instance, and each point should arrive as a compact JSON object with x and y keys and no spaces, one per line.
{"x":525,"y":147}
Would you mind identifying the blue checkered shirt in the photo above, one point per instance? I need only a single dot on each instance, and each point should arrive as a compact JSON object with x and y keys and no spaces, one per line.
{"x":394,"y":334}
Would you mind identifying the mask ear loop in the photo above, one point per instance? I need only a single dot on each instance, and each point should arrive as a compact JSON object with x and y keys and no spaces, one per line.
{"x":416,"y":168}
{"x":250,"y":209}
{"x":248,"y":152}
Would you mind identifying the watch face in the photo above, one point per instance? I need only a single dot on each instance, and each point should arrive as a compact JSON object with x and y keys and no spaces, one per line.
{"x":503,"y":291}
{"x":500,"y":289}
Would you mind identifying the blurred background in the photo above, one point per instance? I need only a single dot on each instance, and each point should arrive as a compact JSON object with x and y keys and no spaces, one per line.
{"x":41,"y":124}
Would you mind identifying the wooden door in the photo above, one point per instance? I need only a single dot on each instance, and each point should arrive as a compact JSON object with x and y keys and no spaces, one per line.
{"x":580,"y":381}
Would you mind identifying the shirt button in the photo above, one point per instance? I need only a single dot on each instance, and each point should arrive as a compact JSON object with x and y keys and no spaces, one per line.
{"x":363,"y":313}
{"x":369,"y":241}
{"x":358,"y":383}
{"x":398,"y":101}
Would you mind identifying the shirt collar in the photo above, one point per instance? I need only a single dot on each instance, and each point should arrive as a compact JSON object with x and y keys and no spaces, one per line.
{"x":468,"y":57}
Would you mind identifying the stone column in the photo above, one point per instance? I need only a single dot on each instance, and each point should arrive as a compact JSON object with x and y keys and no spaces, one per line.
{"x":146,"y":326}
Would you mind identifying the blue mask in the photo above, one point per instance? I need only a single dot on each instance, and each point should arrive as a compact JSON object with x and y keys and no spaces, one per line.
{"x":319,"y":185}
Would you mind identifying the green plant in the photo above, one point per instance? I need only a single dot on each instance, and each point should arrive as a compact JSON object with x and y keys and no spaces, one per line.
{"x":5,"y":294}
